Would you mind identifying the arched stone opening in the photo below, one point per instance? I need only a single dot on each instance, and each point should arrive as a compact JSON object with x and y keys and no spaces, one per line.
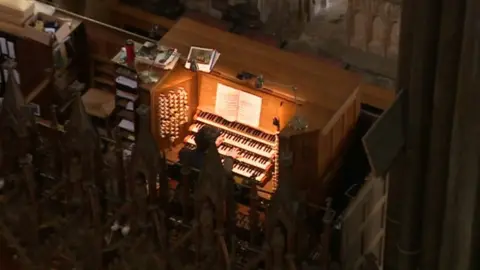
{"x":359,"y":31}
{"x":377,"y":43}
{"x":394,"y":38}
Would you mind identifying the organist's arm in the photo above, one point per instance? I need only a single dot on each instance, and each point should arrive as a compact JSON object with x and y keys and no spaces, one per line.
{"x":228,"y":165}
{"x":229,"y":159}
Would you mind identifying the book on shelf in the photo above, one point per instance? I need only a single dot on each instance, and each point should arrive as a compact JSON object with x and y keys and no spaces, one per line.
{"x":127,"y":125}
{"x":126,"y":95}
{"x":124,"y":81}
{"x":7,"y":48}
{"x":130,"y":106}
{"x":205,"y":58}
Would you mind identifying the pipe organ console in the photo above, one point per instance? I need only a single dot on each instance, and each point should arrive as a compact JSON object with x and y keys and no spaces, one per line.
{"x":314,"y":147}
{"x":303,"y":107}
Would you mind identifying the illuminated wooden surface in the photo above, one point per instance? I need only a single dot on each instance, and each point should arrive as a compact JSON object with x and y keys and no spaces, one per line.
{"x":323,"y":86}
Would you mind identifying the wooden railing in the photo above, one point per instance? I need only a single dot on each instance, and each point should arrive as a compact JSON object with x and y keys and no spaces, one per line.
{"x":103,"y":39}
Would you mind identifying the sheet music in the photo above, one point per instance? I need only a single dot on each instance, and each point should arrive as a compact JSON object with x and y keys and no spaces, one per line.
{"x":226,"y":103}
{"x":249,"y":109}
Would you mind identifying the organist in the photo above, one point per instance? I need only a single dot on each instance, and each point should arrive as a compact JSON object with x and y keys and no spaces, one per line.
{"x":195,"y":156}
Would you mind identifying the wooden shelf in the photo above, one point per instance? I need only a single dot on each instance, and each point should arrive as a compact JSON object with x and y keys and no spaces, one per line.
{"x":104,"y":81}
{"x":128,"y":115}
{"x":105,"y":69}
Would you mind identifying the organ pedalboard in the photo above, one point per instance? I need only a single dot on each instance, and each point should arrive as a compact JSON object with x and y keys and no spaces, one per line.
{"x":256,"y":148}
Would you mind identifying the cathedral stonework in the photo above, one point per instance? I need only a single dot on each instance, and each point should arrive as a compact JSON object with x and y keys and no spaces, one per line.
{"x":374,"y":26}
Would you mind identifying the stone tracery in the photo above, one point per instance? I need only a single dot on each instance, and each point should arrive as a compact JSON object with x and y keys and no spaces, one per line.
{"x":372,"y":26}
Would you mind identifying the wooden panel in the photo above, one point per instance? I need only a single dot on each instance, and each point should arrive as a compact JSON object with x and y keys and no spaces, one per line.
{"x":28,"y":51}
{"x":324,"y":157}
{"x":338,"y":131}
{"x":271,"y":105}
{"x":42,"y":97}
{"x":306,"y":153}
{"x":364,"y":219}
{"x":374,"y":224}
{"x":385,"y":138}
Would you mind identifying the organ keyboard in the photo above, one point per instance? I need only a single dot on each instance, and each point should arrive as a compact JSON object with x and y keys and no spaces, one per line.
{"x":234,"y":127}
{"x":255,"y":147}
{"x":241,"y":142}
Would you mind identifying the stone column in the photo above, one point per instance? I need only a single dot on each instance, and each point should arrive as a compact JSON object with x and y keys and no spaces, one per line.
{"x":451,"y":32}
{"x":461,"y":234}
{"x":420,"y":87}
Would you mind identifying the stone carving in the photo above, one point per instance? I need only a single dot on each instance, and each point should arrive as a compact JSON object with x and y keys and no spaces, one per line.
{"x":17,"y":128}
{"x":359,"y":32}
{"x":392,"y":51}
{"x":377,"y":41}
{"x":373,"y":26}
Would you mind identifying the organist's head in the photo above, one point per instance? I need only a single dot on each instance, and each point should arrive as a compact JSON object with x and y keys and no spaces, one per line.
{"x":206,"y":136}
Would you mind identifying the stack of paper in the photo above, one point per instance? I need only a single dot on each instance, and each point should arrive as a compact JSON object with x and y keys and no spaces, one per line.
{"x":166,"y":58}
{"x":158,"y":56}
{"x":204,"y":58}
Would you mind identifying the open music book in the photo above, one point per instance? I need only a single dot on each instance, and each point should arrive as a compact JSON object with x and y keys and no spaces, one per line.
{"x":236,"y":105}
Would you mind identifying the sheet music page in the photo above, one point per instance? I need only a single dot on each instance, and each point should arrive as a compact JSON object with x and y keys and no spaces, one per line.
{"x":249,"y":109}
{"x":226,"y":103}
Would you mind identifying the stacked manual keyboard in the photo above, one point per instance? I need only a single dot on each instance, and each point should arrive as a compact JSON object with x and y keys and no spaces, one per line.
{"x":256,"y":148}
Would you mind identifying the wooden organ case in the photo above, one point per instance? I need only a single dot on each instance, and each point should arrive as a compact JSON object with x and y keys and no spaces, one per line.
{"x":315,"y":115}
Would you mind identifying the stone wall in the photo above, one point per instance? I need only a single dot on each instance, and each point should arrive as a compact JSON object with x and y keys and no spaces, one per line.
{"x":373,"y":26}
